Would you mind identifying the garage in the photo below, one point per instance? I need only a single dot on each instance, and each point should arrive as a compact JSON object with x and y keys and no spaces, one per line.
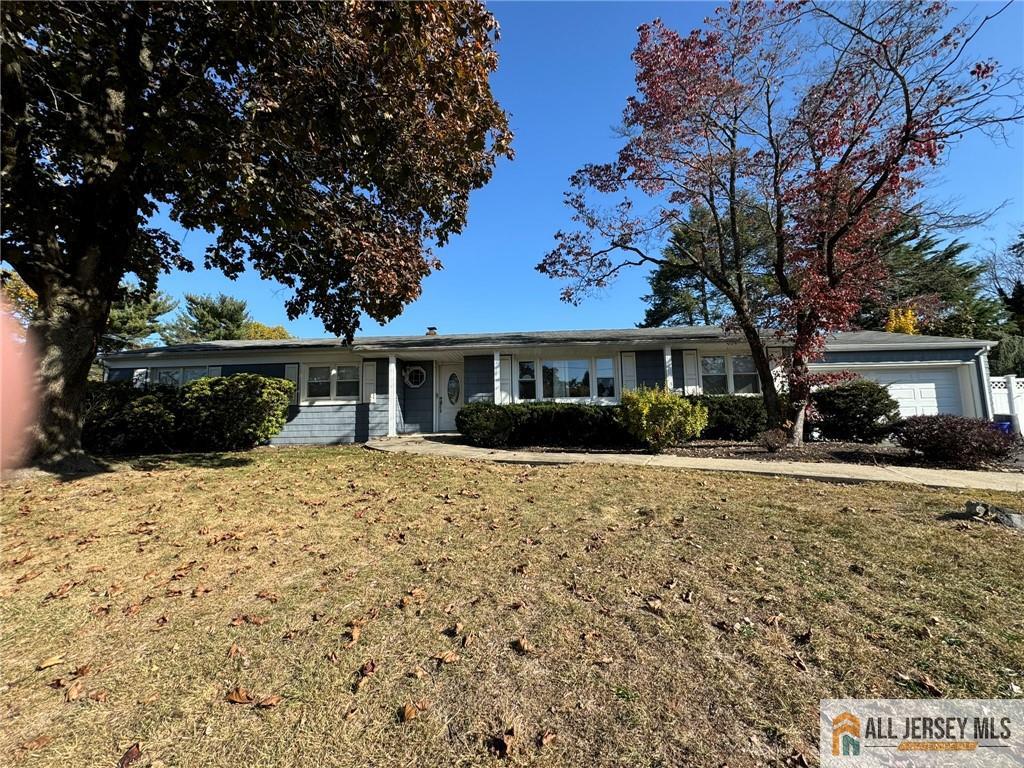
{"x":920,"y":392}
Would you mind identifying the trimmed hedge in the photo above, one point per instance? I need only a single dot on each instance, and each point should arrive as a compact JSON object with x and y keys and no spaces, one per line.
{"x":658,"y":418}
{"x":954,"y":440}
{"x":556,"y":425}
{"x":860,"y":411}
{"x":219,"y":413}
{"x":732,"y":417}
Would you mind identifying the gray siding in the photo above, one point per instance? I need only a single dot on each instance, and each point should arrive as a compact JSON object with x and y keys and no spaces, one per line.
{"x":335,"y":424}
{"x":897,"y":356}
{"x":479,"y":379}
{"x":416,"y":405}
{"x":650,"y":368}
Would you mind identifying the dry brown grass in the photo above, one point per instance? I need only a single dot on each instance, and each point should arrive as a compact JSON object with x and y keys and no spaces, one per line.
{"x":663,"y":614}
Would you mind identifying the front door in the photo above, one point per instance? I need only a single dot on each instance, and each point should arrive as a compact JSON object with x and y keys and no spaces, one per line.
{"x":449,"y":396}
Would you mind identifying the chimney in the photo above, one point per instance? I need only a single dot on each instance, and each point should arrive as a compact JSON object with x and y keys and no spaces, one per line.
{"x":431,"y":330}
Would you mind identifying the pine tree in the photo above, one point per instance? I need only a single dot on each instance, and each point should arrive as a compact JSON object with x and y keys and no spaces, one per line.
{"x":207,"y":318}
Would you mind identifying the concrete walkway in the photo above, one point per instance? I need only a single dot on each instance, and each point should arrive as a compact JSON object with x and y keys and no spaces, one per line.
{"x":445,"y":445}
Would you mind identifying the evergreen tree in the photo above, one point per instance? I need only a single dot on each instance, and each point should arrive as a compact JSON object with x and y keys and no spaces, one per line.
{"x":207,"y":318}
{"x":945,"y":293}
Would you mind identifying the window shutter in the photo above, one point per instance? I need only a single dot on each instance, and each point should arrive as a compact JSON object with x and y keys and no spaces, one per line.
{"x":505,"y":387}
{"x":690,"y":380}
{"x":369,"y":382}
{"x":628,"y":370}
{"x":291,"y":372}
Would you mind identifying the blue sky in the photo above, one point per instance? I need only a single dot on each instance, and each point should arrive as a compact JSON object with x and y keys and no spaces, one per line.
{"x":563,"y":77}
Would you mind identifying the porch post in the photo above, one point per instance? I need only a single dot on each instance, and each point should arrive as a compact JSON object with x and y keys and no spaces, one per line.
{"x":669,"y":383}
{"x":497,"y":378}
{"x":1011,"y":398}
{"x":392,"y":396}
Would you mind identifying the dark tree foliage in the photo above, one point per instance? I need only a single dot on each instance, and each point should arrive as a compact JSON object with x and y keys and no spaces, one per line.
{"x":326,"y":145}
{"x":945,"y":292}
{"x":207,"y":318}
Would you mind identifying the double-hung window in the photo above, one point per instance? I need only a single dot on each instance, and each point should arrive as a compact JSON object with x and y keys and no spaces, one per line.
{"x":721,"y":375}
{"x":527,"y":380}
{"x":336,"y":383}
{"x":713,"y":376}
{"x":744,"y":376}
{"x":605,"y":370}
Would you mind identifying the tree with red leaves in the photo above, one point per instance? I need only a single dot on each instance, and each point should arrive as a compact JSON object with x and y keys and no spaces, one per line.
{"x":819,"y":119}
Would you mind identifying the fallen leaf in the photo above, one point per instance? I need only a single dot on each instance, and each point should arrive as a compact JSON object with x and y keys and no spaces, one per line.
{"x":354,"y":632}
{"x":239,"y":696}
{"x":201,"y":589}
{"x":74,"y":691}
{"x":28,"y":576}
{"x":797,"y":760}
{"x":235,"y":651}
{"x":655,"y":606}
{"x":545,"y":738}
{"x":522,"y":646}
{"x":37,"y":743}
{"x":82,"y":671}
{"x":500,"y":744}
{"x":270,"y":597}
{"x":51,"y":661}
{"x":133,"y":754}
{"x":447,"y":657}
{"x":100,"y":694}
{"x":269,"y":701}
{"x":408,"y":712}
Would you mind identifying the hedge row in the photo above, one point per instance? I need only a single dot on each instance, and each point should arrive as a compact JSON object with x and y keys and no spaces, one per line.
{"x":574,"y":425}
{"x":220,"y":413}
{"x":558,"y":425}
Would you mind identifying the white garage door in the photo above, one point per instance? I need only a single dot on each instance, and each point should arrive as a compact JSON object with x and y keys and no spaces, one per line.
{"x":920,"y":392}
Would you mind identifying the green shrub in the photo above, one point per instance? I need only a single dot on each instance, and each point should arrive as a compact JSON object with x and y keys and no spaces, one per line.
{"x":861,"y":411}
{"x":658,"y":418}
{"x":120,"y":418}
{"x":733,"y":417}
{"x":230,"y":413}
{"x":954,"y":440}
{"x":556,"y":425}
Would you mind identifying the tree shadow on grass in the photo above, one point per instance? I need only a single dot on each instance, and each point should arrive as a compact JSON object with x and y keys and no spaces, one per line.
{"x":195,"y":460}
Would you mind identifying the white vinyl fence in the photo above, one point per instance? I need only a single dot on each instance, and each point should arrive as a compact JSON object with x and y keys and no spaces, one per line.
{"x":1008,"y":399}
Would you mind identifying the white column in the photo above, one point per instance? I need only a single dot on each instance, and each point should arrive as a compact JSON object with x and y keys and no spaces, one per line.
{"x":1015,"y":410}
{"x":392,"y":396}
{"x":497,"y":378}
{"x":669,"y":383}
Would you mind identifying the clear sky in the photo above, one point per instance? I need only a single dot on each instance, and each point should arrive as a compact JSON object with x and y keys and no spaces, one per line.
{"x":564,"y":75}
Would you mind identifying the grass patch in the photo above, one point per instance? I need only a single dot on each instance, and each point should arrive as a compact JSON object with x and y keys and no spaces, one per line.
{"x":417,"y":611}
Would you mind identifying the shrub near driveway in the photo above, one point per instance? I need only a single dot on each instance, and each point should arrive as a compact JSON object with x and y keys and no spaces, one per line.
{"x":954,"y":440}
{"x":859,"y":411}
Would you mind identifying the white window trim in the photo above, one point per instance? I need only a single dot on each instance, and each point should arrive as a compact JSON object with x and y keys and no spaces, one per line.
{"x":331,"y":399}
{"x":538,"y":373}
{"x":730,"y":384}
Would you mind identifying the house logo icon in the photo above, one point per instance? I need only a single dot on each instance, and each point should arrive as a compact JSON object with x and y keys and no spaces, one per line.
{"x":846,"y":734}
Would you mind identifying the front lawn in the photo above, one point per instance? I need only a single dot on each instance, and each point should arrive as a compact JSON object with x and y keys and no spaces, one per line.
{"x":547,"y":616}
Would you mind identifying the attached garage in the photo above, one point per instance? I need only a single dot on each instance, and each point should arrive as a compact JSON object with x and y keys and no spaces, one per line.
{"x":926,"y":375}
{"x":922,"y":392}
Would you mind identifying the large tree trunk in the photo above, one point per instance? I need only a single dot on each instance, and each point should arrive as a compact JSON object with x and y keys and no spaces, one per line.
{"x":774,"y":403}
{"x":67,"y":335}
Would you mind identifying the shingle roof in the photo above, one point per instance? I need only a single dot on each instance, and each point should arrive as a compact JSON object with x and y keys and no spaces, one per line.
{"x":622,"y":336}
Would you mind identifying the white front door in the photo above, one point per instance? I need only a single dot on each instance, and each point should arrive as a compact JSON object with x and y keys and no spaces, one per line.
{"x":450,"y":391}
